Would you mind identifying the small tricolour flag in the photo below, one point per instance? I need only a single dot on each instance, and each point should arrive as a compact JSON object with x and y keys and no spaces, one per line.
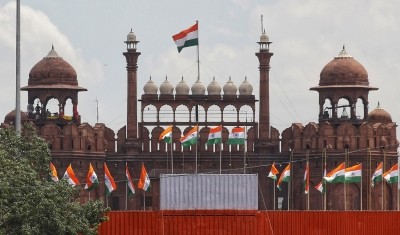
{"x":377,"y":176}
{"x":320,"y":187}
{"x":285,"y":176}
{"x":214,"y":136}
{"x":190,"y":138}
{"x":236,"y":136}
{"x":91,"y":179}
{"x":131,"y":186}
{"x":144,"y":181}
{"x":109,"y":181}
{"x":69,"y":175}
{"x":166,"y":135}
{"x":392,"y":175}
{"x":273,"y":172}
{"x":337,"y":175}
{"x":306,"y":183}
{"x":353,"y":174}
{"x":53,"y":172}
{"x":187,"y":38}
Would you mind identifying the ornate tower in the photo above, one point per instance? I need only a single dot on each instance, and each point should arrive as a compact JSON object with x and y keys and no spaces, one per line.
{"x":264,"y":57}
{"x":132,"y":144}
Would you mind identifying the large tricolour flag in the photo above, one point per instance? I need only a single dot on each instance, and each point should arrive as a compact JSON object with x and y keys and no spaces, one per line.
{"x":187,"y":38}
{"x":214,"y":137}
{"x":377,"y":176}
{"x":144,"y":181}
{"x":337,"y":175}
{"x":109,"y":181}
{"x":129,"y":182}
{"x":353,"y":174}
{"x":273,"y":172}
{"x":69,"y":175}
{"x":166,"y":135}
{"x":190,"y":138}
{"x":236,"y":136}
{"x":91,"y":179}
{"x":285,"y":176}
{"x":53,"y":172}
{"x":321,"y":185}
{"x":392,"y":175}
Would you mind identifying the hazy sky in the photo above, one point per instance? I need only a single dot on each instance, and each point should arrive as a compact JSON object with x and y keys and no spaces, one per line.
{"x":306,"y":35}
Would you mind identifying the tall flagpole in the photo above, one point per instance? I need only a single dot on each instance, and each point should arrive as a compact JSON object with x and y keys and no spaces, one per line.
{"x":324,"y":173}
{"x":398,"y":183}
{"x":220,"y":154}
{"x":274,"y":186}
{"x":198,"y":52}
{"x":344,"y":184}
{"x":383,"y":180}
{"x":361,"y":201}
{"x":307,"y":179}
{"x":172,"y":156}
{"x":126,"y":193}
{"x":244,"y":150}
{"x":369,"y":177}
{"x":18,"y":71}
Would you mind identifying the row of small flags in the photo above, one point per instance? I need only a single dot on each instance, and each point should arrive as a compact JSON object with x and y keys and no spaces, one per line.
{"x":92,"y":181}
{"x":236,"y":136}
{"x":340,"y":174}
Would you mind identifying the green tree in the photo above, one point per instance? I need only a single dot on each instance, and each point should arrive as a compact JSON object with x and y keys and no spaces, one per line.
{"x":30,"y":202}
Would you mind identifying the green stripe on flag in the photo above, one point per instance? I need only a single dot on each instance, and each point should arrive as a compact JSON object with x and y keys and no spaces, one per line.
{"x":189,"y":43}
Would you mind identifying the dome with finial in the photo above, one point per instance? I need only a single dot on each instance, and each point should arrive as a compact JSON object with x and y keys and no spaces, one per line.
{"x":245,"y":88}
{"x":214,"y":88}
{"x":166,"y":88}
{"x":182,"y":88}
{"x":379,"y":115}
{"x":230,"y":88}
{"x":198,"y":88}
{"x":53,"y":72}
{"x":10,"y":117}
{"x":150,"y":88}
{"x":343,"y":70}
{"x":264,"y":37}
{"x":131,"y":37}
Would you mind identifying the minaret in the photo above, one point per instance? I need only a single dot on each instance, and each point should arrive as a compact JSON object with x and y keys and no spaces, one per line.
{"x":131,"y":55}
{"x":264,"y":57}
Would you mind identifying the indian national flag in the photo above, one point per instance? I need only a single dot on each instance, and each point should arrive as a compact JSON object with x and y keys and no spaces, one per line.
{"x":353,"y":174}
{"x":131,"y":186}
{"x":236,"y":136}
{"x":190,"y":138}
{"x":53,"y":172}
{"x":306,"y":182}
{"x":144,"y":181}
{"x":320,"y":187}
{"x":69,"y":175}
{"x":109,"y":181}
{"x":214,"y":137}
{"x":166,"y":135}
{"x":377,"y":176}
{"x":392,"y":175}
{"x":91,"y":179}
{"x":285,"y":176}
{"x":273,"y":172}
{"x":337,"y":175}
{"x":187,"y":38}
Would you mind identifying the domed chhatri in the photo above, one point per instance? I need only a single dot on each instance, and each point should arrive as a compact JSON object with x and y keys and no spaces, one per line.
{"x":379,"y":115}
{"x":198,"y":88}
{"x":214,"y":88}
{"x":182,"y":88}
{"x":150,"y":88}
{"x":10,"y":117}
{"x":52,"y":70}
{"x":166,"y":88}
{"x":344,"y":70}
{"x":245,"y":88}
{"x":230,"y":88}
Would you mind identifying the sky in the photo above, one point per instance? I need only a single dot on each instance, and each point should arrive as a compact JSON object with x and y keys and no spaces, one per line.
{"x":306,"y":35}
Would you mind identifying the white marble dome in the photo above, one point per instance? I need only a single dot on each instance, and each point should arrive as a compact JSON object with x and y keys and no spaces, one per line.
{"x":182,"y":88}
{"x":131,"y":37}
{"x":230,"y":88}
{"x":214,"y":88}
{"x":150,"y":88}
{"x":166,"y":88}
{"x":245,"y":88}
{"x":198,"y":88}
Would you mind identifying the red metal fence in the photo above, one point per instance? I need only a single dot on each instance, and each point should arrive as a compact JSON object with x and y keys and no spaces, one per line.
{"x":251,"y":222}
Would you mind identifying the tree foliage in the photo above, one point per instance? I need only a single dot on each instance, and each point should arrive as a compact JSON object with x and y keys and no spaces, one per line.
{"x":30,"y":202}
